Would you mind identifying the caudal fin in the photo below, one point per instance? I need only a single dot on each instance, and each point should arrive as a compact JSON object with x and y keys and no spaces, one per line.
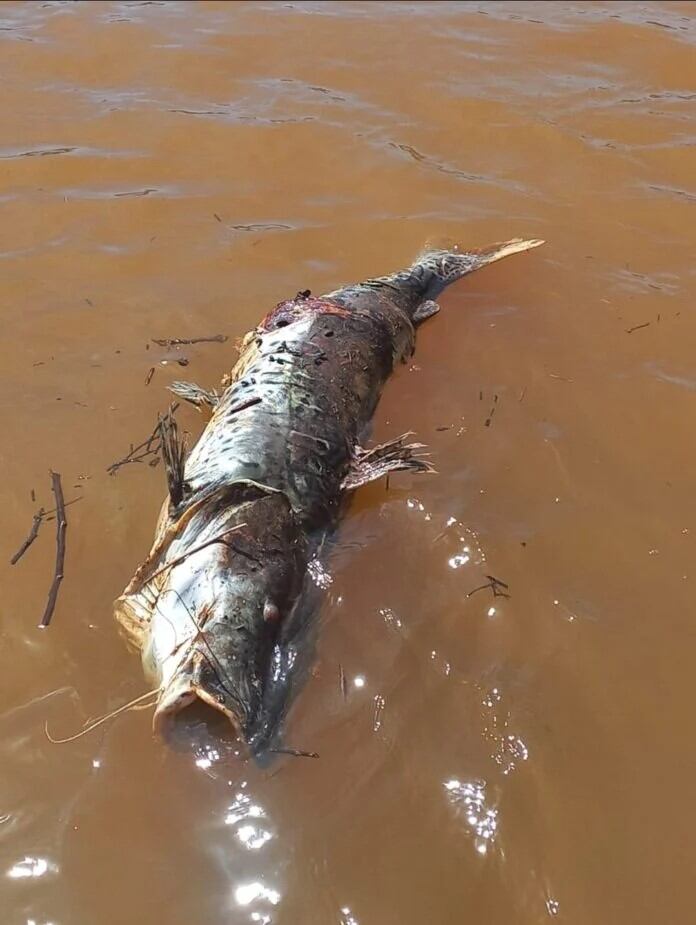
{"x":438,"y":269}
{"x":505,"y":249}
{"x":434,"y":270}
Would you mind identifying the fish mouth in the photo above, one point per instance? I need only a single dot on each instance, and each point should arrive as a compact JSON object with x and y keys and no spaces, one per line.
{"x":179,"y":697}
{"x":192,"y":686}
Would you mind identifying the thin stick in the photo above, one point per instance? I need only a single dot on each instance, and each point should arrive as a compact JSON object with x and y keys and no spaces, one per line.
{"x":102,"y":719}
{"x":150,"y":447}
{"x":61,"y":527}
{"x":342,"y":681}
{"x":637,"y":327}
{"x":295,"y":752}
{"x":48,"y":514}
{"x":178,"y":341}
{"x":33,"y":533}
{"x":495,"y":584}
{"x":497,"y":581}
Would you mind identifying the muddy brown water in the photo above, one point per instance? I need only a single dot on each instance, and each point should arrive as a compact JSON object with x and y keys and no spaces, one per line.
{"x":173,"y":170}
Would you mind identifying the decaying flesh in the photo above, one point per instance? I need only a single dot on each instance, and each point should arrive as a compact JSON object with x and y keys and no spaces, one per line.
{"x":267,"y":480}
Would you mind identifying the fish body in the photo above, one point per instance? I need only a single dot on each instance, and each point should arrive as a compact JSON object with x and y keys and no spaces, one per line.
{"x":267,"y":481}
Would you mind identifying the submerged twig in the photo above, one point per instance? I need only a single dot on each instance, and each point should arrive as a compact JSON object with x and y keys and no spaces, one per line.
{"x":342,"y":681}
{"x":295,"y":752}
{"x":495,"y":584}
{"x":33,"y":533}
{"x":637,"y":327}
{"x":61,"y":527}
{"x":49,"y":515}
{"x":179,"y":341}
{"x":149,"y":449}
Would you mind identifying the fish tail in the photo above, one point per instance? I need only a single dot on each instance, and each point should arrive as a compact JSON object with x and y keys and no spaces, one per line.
{"x":434,"y":270}
{"x":439,"y":269}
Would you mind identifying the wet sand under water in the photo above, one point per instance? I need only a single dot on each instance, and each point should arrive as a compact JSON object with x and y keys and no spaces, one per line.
{"x":174,"y":170}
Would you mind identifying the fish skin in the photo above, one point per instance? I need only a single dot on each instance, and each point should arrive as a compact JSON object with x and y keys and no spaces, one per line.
{"x":266,"y":483}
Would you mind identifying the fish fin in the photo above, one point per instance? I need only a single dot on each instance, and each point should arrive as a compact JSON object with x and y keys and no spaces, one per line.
{"x":173,"y":449}
{"x":370,"y":465}
{"x":435,"y":270}
{"x":486,"y":255}
{"x":425,"y":310}
{"x":194,"y":394}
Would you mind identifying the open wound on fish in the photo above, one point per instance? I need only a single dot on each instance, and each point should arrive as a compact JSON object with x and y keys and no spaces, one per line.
{"x":213,"y":607}
{"x":393,"y":456}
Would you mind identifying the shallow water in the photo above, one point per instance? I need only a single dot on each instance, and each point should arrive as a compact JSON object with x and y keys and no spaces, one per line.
{"x":173,"y":170}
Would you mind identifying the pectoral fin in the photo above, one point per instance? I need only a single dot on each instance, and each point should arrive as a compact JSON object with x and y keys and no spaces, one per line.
{"x":173,"y":451}
{"x":369,"y":465}
{"x":194,"y":394}
{"x":425,"y":310}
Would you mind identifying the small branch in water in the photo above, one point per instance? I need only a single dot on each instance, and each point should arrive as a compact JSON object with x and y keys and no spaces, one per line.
{"x":342,"y":681}
{"x":151,"y":373}
{"x":33,"y":533}
{"x":637,"y":327}
{"x":295,"y":752}
{"x":148,"y":449}
{"x":61,"y":527}
{"x":180,"y":341}
{"x":497,"y":581}
{"x":48,"y":515}
{"x":495,"y":584}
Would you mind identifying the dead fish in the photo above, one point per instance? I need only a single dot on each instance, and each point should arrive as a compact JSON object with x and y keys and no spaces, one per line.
{"x":267,"y":481}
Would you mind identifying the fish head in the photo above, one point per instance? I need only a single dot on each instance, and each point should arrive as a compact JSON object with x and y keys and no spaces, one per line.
{"x":216,"y":615}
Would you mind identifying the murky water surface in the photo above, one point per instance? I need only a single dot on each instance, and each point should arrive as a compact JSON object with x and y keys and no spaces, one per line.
{"x":173,"y":170}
